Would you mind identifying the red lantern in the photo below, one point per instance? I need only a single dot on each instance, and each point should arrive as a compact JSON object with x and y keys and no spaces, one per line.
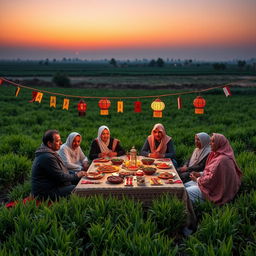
{"x":104,"y":105}
{"x":199,"y":104}
{"x":81,"y":107}
{"x":1,"y":81}
{"x":137,"y":106}
{"x":158,"y":106}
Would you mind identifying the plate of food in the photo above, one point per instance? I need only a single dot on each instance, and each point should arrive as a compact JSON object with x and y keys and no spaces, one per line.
{"x":115,"y":179}
{"x":155,"y":181}
{"x":94,"y":175}
{"x":164,"y":166}
{"x":101,"y":160}
{"x":124,"y":173}
{"x":166,"y":175}
{"x":107,"y":168}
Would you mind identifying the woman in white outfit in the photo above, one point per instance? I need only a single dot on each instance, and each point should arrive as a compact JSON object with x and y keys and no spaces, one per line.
{"x":72,"y":154}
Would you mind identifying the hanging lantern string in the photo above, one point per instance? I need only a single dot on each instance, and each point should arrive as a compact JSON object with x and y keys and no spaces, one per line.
{"x":128,"y":97}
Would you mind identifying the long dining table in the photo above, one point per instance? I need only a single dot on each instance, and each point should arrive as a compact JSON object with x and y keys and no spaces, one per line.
{"x":145,"y":193}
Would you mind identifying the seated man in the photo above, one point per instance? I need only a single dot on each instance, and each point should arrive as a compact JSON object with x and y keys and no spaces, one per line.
{"x":50,"y":177}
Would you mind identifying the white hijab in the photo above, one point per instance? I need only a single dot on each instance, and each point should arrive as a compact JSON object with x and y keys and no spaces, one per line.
{"x":70,"y":139}
{"x":103,"y":146}
{"x":200,"y":154}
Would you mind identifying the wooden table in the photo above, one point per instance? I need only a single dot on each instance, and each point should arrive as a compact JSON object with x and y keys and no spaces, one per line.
{"x":144,"y":193}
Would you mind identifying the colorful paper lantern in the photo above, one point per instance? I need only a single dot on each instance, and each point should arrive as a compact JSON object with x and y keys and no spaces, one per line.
{"x":158,"y":106}
{"x":104,"y":105}
{"x":81,"y":107}
{"x":137,"y":106}
{"x":199,"y":104}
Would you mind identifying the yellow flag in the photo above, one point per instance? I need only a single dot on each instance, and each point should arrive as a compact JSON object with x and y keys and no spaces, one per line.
{"x":39,"y":97}
{"x":65,"y":104}
{"x":17,"y":91}
{"x":53,"y":101}
{"x":120,"y":106}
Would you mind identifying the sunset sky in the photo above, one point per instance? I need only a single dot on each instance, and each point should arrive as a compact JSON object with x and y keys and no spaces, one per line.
{"x":128,"y":29}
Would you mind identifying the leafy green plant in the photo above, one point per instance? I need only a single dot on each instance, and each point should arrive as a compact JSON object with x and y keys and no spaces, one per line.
{"x":20,"y":191}
{"x":14,"y":169}
{"x":169,"y":213}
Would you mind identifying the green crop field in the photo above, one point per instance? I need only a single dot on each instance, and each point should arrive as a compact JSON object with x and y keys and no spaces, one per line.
{"x":93,"y":226}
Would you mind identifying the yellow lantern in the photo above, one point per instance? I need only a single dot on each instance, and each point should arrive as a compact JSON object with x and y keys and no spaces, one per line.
{"x":158,"y":106}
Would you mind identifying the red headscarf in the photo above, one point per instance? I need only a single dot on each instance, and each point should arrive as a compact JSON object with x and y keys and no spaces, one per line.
{"x":163,"y":144}
{"x":221,"y":178}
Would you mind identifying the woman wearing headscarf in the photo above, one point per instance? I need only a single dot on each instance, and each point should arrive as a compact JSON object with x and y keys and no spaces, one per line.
{"x":105,"y":146}
{"x":221,"y":177}
{"x":159,"y":144}
{"x":72,"y":154}
{"x":198,"y":158}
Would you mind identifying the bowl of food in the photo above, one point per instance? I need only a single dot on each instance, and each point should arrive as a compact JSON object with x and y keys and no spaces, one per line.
{"x":117,"y":161}
{"x":147,"y":161}
{"x":148,"y":170}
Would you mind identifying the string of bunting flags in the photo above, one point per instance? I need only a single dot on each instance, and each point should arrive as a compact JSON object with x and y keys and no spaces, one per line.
{"x":104,"y":103}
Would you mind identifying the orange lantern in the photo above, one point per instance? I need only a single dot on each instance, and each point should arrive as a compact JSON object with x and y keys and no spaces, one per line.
{"x":104,"y":105}
{"x":81,"y":107}
{"x":158,"y":106}
{"x":199,"y":104}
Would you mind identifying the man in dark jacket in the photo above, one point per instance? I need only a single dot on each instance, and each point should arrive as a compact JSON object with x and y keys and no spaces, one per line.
{"x":50,"y":177}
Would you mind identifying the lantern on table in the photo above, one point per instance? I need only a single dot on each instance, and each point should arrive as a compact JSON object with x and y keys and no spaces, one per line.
{"x":158,"y":106}
{"x":133,"y":156}
{"x":104,"y":105}
{"x":199,"y":104}
{"x":81,"y":107}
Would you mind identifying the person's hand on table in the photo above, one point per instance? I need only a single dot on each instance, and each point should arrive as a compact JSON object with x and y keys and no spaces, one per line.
{"x":111,"y":154}
{"x":81,"y":174}
{"x":102,"y":155}
{"x":155,"y":155}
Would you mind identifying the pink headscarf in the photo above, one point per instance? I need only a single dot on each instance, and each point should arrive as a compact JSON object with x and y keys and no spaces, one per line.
{"x":221,"y":178}
{"x":163,"y":144}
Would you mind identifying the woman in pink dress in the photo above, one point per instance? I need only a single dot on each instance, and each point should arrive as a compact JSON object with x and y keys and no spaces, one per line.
{"x":221,"y":178}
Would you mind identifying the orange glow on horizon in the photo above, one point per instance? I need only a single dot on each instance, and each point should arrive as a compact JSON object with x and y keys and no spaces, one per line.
{"x":100,"y":25}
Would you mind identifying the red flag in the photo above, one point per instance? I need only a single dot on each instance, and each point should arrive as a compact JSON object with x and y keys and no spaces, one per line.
{"x":179,"y":101}
{"x":227,"y":91}
{"x":137,"y":106}
{"x":34,"y":94}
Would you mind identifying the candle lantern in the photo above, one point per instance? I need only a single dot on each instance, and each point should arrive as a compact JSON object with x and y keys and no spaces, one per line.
{"x":81,"y":107}
{"x":133,"y":156}
{"x":158,"y":106}
{"x":199,"y":104}
{"x":104,"y":105}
